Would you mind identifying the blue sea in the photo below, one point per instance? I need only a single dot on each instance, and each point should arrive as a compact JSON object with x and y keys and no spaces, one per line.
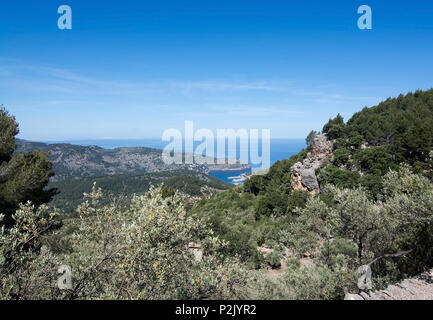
{"x":280,"y":149}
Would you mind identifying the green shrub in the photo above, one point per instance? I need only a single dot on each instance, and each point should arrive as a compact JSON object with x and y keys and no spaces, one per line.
{"x":297,"y":199}
{"x":341,"y":178}
{"x":273,"y":202}
{"x":375,"y":160}
{"x":137,"y":252}
{"x":341,"y":157}
{"x":335,"y":128}
{"x":373,"y":183}
{"x":274,"y":259}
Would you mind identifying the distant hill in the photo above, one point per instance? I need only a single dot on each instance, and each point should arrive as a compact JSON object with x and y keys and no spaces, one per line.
{"x":74,"y":161}
{"x":186,"y":181}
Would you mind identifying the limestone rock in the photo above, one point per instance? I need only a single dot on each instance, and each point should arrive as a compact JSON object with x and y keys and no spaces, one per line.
{"x":303,"y":175}
{"x":351,"y":296}
{"x":322,"y":147}
{"x":418,"y":288}
{"x":365,"y":295}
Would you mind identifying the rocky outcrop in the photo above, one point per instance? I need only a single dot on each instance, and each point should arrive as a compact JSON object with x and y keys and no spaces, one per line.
{"x":303,"y":175}
{"x":419,"y":288}
{"x":321,"y":147}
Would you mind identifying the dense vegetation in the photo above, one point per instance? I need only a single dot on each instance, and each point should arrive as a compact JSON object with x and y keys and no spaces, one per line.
{"x":375,"y":208}
{"x":139,"y":251}
{"x":374,"y":141}
{"x":23,"y":176}
{"x":116,"y":186}
{"x":398,"y":130}
{"x":371,"y":150}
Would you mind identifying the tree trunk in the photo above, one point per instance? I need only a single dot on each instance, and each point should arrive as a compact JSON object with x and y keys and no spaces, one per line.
{"x":360,"y":252}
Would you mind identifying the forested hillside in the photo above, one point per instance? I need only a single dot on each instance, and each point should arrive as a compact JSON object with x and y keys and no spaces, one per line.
{"x":366,"y":192}
{"x":372,"y":142}
{"x":398,"y":130}
{"x":360,"y":195}
{"x":73,"y":161}
{"x":188,"y":182}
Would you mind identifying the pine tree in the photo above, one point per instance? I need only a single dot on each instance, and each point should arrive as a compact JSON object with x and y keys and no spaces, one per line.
{"x":23,"y":177}
{"x":310,"y":138}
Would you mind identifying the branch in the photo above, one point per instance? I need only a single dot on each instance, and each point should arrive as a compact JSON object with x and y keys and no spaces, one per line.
{"x":389,"y":255}
{"x":74,"y":293}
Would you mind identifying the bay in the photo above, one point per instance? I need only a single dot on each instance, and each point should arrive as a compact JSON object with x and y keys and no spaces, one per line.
{"x":279,"y":149}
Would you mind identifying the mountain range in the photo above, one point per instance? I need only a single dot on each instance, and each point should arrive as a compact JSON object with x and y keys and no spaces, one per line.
{"x":74,"y":161}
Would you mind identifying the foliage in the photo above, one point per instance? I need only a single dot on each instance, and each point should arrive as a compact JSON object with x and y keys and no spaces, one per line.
{"x":341,"y":157}
{"x":404,"y":125}
{"x":273,"y":190}
{"x":274,"y":259}
{"x":231,"y":216}
{"x":381,"y":214}
{"x":397,"y":222}
{"x":335,"y":128}
{"x":187,"y":182}
{"x":277,"y":175}
{"x":273,"y":202}
{"x":26,"y":266}
{"x":310,"y":137}
{"x":255,"y":184}
{"x":396,"y":131}
{"x":297,"y":199}
{"x":23,"y":177}
{"x":135,"y":252}
{"x":375,"y":160}
{"x":304,"y":282}
{"x":341,"y":178}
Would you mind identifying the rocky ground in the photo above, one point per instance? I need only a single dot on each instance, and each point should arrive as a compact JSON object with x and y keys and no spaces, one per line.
{"x":418,"y":288}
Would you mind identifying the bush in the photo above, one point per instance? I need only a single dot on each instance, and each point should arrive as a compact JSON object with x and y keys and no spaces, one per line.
{"x":254,"y":184}
{"x":273,"y":202}
{"x":23,"y":177}
{"x":167,"y":192}
{"x":341,"y":178}
{"x":134,"y":252}
{"x":274,"y":259}
{"x":335,"y":128}
{"x":310,"y":138}
{"x":332,"y":251}
{"x":297,"y":199}
{"x":372,"y":183}
{"x":341,"y":157}
{"x":375,"y":160}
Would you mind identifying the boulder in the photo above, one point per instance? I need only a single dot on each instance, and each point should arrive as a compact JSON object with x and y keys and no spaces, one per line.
{"x":365,"y":295}
{"x":351,"y":296}
{"x":304,"y":178}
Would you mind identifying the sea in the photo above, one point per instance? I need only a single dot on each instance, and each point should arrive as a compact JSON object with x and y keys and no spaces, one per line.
{"x":279,"y":149}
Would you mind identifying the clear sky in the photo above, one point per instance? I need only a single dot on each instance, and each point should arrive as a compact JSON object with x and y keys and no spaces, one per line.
{"x":131,"y":69}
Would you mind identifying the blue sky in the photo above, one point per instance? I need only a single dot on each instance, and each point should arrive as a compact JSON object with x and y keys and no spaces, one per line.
{"x":131,"y":69}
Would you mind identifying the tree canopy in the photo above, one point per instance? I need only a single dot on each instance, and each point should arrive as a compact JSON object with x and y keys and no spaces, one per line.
{"x":23,"y":177}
